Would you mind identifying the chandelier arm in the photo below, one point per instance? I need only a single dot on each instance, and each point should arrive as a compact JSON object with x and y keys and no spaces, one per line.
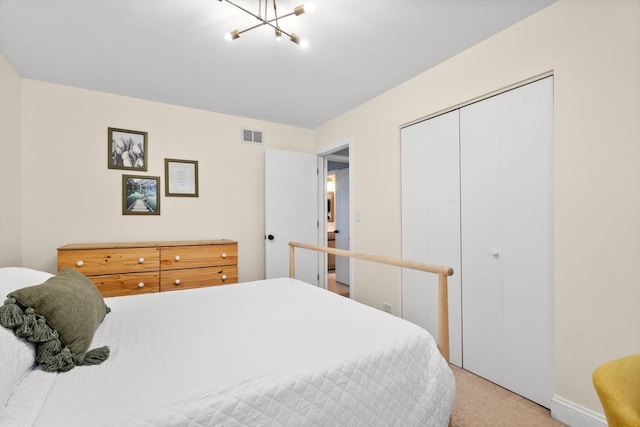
{"x":251,"y":28}
{"x":269,"y":24}
{"x":258,"y":17}
{"x":265,"y":23}
{"x":281,"y":16}
{"x":262,"y":20}
{"x":275,"y":13}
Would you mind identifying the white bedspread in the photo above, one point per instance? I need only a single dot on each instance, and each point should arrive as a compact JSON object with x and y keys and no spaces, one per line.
{"x":268,"y":353}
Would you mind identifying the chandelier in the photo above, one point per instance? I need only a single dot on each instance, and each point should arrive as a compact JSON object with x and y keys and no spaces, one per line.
{"x":272,"y":21}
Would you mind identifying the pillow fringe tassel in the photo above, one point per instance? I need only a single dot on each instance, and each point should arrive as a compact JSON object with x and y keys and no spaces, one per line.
{"x":92,"y":357}
{"x":48,"y":349}
{"x":50,"y":353}
{"x":42,"y":332}
{"x":60,"y":362}
{"x":29,"y":323}
{"x":11,"y":314}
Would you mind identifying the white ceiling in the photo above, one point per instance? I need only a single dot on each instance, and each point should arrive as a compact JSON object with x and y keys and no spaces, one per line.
{"x":173,"y":51}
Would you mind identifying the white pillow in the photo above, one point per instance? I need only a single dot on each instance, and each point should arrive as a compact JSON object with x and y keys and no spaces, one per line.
{"x":17,"y":356}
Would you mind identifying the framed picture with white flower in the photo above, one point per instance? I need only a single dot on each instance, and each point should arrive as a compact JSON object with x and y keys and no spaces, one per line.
{"x":127,"y":149}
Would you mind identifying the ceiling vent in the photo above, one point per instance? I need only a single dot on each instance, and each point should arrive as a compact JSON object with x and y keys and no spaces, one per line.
{"x":252,"y":136}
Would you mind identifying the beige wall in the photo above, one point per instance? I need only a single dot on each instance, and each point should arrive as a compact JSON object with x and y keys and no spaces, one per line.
{"x":10,"y":166}
{"x":71,"y":196}
{"x":593,"y":49}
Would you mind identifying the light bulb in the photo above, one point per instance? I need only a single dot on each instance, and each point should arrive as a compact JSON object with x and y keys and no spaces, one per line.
{"x":232,"y":35}
{"x":297,"y":40}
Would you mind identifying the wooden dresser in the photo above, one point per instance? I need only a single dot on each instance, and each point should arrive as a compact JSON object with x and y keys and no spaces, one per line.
{"x":143,"y":267}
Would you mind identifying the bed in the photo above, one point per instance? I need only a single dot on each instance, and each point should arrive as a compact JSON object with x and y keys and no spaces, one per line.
{"x":276,"y":352}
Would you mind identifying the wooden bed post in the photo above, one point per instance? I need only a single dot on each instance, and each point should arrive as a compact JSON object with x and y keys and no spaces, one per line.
{"x":292,"y":262}
{"x":443,"y":316}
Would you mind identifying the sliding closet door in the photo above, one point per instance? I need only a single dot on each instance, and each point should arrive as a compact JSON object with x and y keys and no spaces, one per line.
{"x":506,"y":219}
{"x":431,"y":221}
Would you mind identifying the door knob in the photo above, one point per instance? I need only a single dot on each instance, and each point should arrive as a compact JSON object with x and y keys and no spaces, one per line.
{"x":336,"y":231}
{"x":270,"y":237}
{"x":495,"y":254}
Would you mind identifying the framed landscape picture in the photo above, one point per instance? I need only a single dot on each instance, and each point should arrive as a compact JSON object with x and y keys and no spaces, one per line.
{"x":127,"y":149}
{"x":181,"y":178}
{"x":140,"y":195}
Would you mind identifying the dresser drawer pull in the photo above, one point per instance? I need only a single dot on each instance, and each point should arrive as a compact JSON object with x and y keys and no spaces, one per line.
{"x":177,"y":282}
{"x":140,"y":260}
{"x":224,"y":277}
{"x":79,"y":263}
{"x":223,"y":255}
{"x":177,"y":258}
{"x":141,"y":285}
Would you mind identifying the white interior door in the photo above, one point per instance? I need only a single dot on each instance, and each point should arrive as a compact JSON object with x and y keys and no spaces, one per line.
{"x":431,"y":222}
{"x":342,"y":232}
{"x":291,"y":213}
{"x":506,"y":183}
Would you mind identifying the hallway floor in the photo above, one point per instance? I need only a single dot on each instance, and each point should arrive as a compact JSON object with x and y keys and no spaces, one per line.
{"x":336,"y":287}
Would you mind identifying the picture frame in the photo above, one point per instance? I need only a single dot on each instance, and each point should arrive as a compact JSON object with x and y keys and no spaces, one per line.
{"x":126,"y":149}
{"x":140,"y":195}
{"x":181,"y":178}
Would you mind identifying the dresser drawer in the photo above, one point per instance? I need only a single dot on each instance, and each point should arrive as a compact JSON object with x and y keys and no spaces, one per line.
{"x":114,"y":285}
{"x":178,"y":257}
{"x":106,"y":261}
{"x":198,"y":277}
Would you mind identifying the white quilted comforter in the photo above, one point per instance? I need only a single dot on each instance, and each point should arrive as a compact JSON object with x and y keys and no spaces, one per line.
{"x":268,"y":353}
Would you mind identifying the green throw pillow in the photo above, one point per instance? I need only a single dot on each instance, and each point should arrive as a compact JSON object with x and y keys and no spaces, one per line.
{"x":61,"y":316}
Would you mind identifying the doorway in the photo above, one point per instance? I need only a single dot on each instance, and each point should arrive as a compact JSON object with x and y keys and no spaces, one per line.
{"x":337,"y":222}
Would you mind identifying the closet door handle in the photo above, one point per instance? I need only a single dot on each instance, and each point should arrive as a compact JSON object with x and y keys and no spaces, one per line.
{"x":494,"y":253}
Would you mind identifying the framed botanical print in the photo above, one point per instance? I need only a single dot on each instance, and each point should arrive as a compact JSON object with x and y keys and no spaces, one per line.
{"x":127,"y":149}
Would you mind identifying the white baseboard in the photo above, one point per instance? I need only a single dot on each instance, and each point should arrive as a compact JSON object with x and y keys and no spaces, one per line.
{"x":574,"y":415}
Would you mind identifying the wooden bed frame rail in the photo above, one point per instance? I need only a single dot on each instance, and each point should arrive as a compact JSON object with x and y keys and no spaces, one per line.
{"x":442,"y":272}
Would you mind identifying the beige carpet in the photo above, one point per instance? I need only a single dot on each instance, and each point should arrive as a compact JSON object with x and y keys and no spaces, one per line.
{"x":480,"y":403}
